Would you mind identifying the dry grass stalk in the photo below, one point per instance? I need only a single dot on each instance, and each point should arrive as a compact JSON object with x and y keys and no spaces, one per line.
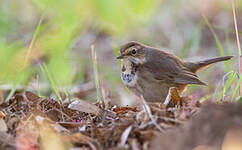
{"x":95,"y":70}
{"x":238,"y":43}
{"x":148,"y":111}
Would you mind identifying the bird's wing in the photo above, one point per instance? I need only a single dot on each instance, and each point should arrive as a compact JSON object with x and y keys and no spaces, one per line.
{"x":187,"y":77}
{"x":164,"y":67}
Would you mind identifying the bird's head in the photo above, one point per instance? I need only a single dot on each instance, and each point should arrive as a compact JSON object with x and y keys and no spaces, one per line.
{"x":134,"y":52}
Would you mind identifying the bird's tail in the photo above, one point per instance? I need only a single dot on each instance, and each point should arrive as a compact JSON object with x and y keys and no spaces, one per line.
{"x":196,"y":66}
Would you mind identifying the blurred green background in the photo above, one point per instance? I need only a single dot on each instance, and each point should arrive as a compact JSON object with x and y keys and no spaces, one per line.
{"x":56,"y":35}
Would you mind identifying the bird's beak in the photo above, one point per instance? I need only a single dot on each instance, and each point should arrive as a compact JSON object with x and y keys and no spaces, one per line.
{"x":121,"y":56}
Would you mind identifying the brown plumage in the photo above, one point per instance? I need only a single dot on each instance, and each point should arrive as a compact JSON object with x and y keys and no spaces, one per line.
{"x":151,"y":72}
{"x":197,"y":66}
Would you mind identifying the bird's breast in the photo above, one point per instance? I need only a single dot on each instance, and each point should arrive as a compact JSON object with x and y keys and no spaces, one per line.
{"x":129,"y":79}
{"x":129,"y":74}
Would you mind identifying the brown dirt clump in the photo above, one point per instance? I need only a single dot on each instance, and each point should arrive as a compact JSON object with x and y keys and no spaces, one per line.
{"x":205,"y":131}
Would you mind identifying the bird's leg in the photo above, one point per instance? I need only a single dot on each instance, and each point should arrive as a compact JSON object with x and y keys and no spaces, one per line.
{"x":173,"y":97}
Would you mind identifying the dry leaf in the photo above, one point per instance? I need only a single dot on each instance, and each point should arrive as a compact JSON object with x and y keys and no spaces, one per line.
{"x":27,"y":136}
{"x":3,"y":126}
{"x":84,"y":106}
{"x":49,"y":139}
{"x":31,"y":96}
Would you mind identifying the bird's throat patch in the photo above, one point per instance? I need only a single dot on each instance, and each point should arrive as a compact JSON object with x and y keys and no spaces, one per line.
{"x":129,"y":79}
{"x":129,"y":73}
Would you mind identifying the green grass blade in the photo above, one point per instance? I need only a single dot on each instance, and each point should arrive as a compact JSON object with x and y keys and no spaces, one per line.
{"x":227,"y":85}
{"x":236,"y":88}
{"x":46,"y":71}
{"x":206,"y":97}
{"x":18,"y":78}
{"x":13,"y":89}
{"x":38,"y":85}
{"x":36,"y":31}
{"x":218,"y":43}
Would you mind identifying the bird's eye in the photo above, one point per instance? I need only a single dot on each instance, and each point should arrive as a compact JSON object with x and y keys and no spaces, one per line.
{"x":133,"y":51}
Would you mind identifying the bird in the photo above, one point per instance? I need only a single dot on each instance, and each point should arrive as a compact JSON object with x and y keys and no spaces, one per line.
{"x":150,"y":72}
